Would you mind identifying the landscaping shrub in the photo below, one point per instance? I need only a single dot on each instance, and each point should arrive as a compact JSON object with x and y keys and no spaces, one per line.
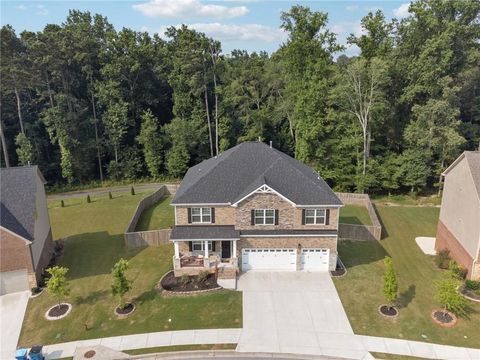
{"x":448,"y":295}
{"x":184,"y":279}
{"x":88,"y":199}
{"x":458,"y":271}
{"x":62,"y":203}
{"x":390,"y":283}
{"x":120,"y":285}
{"x":132,"y":191}
{"x":442,"y":259}
{"x":110,"y":195}
{"x":472,"y":284}
{"x":202,"y":276}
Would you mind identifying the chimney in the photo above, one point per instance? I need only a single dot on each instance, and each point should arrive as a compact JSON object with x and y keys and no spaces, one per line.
{"x":270,"y":144}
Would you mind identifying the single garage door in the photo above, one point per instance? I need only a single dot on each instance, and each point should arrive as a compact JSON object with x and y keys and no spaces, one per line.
{"x":13,"y":281}
{"x":269,"y":259}
{"x":315,"y":259}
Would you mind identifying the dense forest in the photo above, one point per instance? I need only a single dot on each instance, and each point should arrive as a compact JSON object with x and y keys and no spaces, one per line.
{"x":88,"y":102}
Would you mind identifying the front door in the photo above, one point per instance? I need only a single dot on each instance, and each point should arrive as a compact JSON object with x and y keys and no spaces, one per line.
{"x":226,"y":252}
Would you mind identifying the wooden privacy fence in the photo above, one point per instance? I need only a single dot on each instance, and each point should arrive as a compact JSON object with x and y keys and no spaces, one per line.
{"x":360,"y":232}
{"x":151,"y":237}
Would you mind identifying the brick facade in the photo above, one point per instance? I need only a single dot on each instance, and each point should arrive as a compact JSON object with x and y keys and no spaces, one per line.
{"x":446,"y":240}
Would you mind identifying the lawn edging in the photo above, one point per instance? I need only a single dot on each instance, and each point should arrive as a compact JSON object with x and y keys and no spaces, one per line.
{"x":151,"y":237}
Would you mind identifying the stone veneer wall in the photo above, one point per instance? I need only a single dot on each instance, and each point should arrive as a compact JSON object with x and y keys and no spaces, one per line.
{"x":446,"y":240}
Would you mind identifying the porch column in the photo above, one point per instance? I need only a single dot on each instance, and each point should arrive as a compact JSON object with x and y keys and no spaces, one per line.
{"x":177,"y":250}
{"x":206,"y":249}
{"x":234,"y":249}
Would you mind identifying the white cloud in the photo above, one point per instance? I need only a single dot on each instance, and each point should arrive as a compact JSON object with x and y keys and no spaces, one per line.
{"x":41,"y":10}
{"x":351,"y":7}
{"x":344,"y":28}
{"x":188,"y":9}
{"x":21,"y":7}
{"x":402,"y":11}
{"x":231,"y":32}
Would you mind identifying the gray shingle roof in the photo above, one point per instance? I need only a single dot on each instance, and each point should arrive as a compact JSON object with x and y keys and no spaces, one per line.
{"x":244,"y":168}
{"x":473,"y":160}
{"x":18,"y":190}
{"x":209,"y":232}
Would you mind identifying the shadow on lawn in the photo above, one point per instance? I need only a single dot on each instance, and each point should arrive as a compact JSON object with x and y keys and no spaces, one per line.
{"x":95,"y":253}
{"x":353,"y":253}
{"x":350,"y":220}
{"x":406,"y":297}
{"x":92,"y":298}
{"x":384,"y":228}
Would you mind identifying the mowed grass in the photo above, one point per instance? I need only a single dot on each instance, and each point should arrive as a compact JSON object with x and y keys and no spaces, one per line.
{"x":416,"y":275}
{"x":354,"y":214}
{"x":94,"y":242}
{"x":158,"y":216}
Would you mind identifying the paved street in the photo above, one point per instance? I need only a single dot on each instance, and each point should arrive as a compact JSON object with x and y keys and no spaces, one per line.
{"x":12,"y":311}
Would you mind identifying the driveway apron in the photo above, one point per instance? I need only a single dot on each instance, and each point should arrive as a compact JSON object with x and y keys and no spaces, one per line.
{"x":12,"y":311}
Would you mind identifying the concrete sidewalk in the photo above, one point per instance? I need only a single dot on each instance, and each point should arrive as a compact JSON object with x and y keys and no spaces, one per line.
{"x":324,"y":344}
{"x":12,"y":312}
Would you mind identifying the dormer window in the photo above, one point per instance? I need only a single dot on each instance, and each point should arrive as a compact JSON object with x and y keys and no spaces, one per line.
{"x":198,"y":215}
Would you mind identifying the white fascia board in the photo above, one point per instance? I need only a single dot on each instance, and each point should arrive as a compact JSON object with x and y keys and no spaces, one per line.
{"x":180,"y":240}
{"x":292,"y":235}
{"x":203,"y":204}
{"x":320,"y":206}
{"x":28,"y":242}
{"x":235,"y":204}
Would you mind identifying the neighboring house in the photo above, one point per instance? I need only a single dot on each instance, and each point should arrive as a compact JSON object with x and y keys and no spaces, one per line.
{"x":26,"y":243}
{"x":254,"y":207}
{"x":459,"y":224}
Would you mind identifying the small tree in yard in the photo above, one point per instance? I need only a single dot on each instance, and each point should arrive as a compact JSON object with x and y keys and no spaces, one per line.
{"x":57,"y":285}
{"x":390,"y":284}
{"x":121,"y":285}
{"x":448,"y":295}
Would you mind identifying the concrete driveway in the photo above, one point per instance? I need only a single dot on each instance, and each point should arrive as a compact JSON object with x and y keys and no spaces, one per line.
{"x":290,"y":312}
{"x":12,"y":311}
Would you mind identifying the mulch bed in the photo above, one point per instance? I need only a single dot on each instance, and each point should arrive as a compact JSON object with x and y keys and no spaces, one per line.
{"x":388,"y":311}
{"x":340,"y":269}
{"x":57,"y":311}
{"x":444,"y":318}
{"x":470,"y":294}
{"x":171,"y":283}
{"x":125,"y":310}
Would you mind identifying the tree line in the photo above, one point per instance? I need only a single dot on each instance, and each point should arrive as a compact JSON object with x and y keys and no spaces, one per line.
{"x":88,"y":102}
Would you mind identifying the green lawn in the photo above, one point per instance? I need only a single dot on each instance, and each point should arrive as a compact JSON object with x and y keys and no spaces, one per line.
{"x":175,"y":348}
{"x":416,"y":273}
{"x":159,"y":216}
{"x":94,"y":244}
{"x":354,"y":214}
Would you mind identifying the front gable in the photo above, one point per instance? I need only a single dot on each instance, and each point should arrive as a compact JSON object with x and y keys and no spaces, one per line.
{"x":263,"y":189}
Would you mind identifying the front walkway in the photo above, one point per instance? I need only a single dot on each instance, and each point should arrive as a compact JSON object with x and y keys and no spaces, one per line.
{"x":12,"y":311}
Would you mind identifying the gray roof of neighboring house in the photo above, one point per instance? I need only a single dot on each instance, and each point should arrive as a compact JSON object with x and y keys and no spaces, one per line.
{"x":18,"y":189}
{"x":242,"y":169}
{"x":208,"y":232}
{"x":473,"y":160}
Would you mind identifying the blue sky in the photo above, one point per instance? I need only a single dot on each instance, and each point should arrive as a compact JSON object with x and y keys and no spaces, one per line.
{"x":251,"y":25}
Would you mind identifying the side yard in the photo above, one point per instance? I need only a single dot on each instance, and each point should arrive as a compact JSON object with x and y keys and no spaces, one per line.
{"x":354,"y":214}
{"x":416,"y":273}
{"x":93,"y":235}
{"x":158,"y":216}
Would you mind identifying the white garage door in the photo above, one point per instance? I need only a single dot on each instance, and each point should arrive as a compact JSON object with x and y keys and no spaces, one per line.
{"x":315,"y":259}
{"x":13,"y":281}
{"x":269,"y":259}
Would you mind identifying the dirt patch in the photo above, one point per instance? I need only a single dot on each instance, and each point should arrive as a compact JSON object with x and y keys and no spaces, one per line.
{"x":177,"y":284}
{"x":444,"y":318}
{"x":89,"y":354}
{"x":388,"y":311}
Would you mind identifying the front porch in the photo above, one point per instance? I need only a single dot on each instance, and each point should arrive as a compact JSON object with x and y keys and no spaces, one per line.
{"x":193,"y":257}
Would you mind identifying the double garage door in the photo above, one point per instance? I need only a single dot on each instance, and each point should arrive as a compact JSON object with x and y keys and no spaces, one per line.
{"x":13,"y":281}
{"x":284,"y":259}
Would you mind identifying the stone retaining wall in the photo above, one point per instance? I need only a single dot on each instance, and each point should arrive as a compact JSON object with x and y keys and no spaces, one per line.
{"x":360,"y":232}
{"x":151,"y":237}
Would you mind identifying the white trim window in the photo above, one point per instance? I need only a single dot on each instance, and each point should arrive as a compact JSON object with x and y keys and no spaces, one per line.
{"x":315,"y":216}
{"x":200,"y":246}
{"x":264,"y":217}
{"x":201,"y":215}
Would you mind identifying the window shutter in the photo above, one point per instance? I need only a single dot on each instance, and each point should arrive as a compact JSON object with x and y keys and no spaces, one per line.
{"x":327,"y":217}
{"x":252,"y":212}
{"x":213,"y":245}
{"x":303,"y":216}
{"x":190,"y":245}
{"x":213,"y":216}
{"x":190,"y":216}
{"x":276,"y":217}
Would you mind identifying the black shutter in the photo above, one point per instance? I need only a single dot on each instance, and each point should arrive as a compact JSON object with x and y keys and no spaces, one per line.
{"x":252,"y":212}
{"x":190,"y":245}
{"x":213,"y":245}
{"x":327,"y":217}
{"x":190,"y":216}
{"x":303,"y":216}
{"x":213,"y":216}
{"x":276,"y":217}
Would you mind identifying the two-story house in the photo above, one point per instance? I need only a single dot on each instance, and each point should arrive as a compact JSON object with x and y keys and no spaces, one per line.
{"x":26,"y":245}
{"x":254,"y":207}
